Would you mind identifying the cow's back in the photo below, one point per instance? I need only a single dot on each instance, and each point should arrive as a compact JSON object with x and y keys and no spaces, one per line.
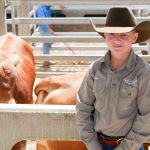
{"x":60,"y":145}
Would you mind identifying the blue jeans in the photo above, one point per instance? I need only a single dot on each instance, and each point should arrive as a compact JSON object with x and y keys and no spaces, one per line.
{"x":46,"y":46}
{"x":105,"y":147}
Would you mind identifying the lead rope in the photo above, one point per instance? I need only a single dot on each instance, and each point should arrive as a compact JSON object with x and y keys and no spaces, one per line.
{"x":67,"y":46}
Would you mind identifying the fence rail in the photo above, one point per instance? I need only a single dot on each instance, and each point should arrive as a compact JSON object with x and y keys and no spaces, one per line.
{"x":85,"y":2}
{"x":86,"y":47}
{"x":65,"y":20}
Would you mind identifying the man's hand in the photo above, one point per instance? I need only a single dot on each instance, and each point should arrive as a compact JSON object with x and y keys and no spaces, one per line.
{"x":62,"y":6}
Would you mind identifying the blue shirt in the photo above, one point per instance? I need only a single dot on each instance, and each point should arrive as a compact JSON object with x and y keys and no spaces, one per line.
{"x":43,"y":12}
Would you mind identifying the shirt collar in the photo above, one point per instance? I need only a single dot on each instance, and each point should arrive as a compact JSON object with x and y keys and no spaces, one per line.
{"x":131,"y":62}
{"x":129,"y":65}
{"x":106,"y":60}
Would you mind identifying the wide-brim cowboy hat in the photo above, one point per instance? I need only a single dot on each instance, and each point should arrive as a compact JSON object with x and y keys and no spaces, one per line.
{"x":122,"y":20}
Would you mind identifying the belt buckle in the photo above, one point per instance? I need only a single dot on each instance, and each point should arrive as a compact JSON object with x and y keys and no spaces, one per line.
{"x":119,"y":140}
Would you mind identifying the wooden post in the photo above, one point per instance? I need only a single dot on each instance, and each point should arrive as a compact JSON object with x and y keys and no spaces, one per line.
{"x":2,"y":17}
{"x":23,"y":11}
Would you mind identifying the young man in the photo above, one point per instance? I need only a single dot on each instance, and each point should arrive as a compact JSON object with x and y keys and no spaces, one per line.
{"x":113,"y":102}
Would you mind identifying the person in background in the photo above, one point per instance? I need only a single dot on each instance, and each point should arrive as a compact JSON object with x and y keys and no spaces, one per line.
{"x":45,"y":29}
{"x":113,"y":102}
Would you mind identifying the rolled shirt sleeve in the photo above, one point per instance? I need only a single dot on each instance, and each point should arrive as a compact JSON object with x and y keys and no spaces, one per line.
{"x":85,"y":108}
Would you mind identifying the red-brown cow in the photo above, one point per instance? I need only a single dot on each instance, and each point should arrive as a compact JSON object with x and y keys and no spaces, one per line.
{"x":59,"y":90}
{"x":17,"y":71}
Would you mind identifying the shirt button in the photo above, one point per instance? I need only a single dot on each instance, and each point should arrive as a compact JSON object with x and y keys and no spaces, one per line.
{"x":114,"y":84}
{"x":129,"y":94}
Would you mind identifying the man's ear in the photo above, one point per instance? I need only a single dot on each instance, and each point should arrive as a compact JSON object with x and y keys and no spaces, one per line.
{"x":104,"y":35}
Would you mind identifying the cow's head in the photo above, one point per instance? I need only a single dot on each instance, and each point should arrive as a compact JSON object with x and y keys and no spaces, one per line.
{"x":17,"y":70}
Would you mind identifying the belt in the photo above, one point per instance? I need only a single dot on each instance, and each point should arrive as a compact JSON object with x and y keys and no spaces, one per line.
{"x":112,"y":141}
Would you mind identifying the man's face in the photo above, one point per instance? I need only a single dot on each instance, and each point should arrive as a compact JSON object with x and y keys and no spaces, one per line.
{"x":120,"y":43}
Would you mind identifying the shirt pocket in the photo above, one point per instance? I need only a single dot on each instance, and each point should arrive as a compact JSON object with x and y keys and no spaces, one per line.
{"x":127,"y":103}
{"x":99,"y":91}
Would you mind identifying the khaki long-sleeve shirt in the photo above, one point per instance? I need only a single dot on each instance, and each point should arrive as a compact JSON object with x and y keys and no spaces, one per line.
{"x":116,"y":102}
